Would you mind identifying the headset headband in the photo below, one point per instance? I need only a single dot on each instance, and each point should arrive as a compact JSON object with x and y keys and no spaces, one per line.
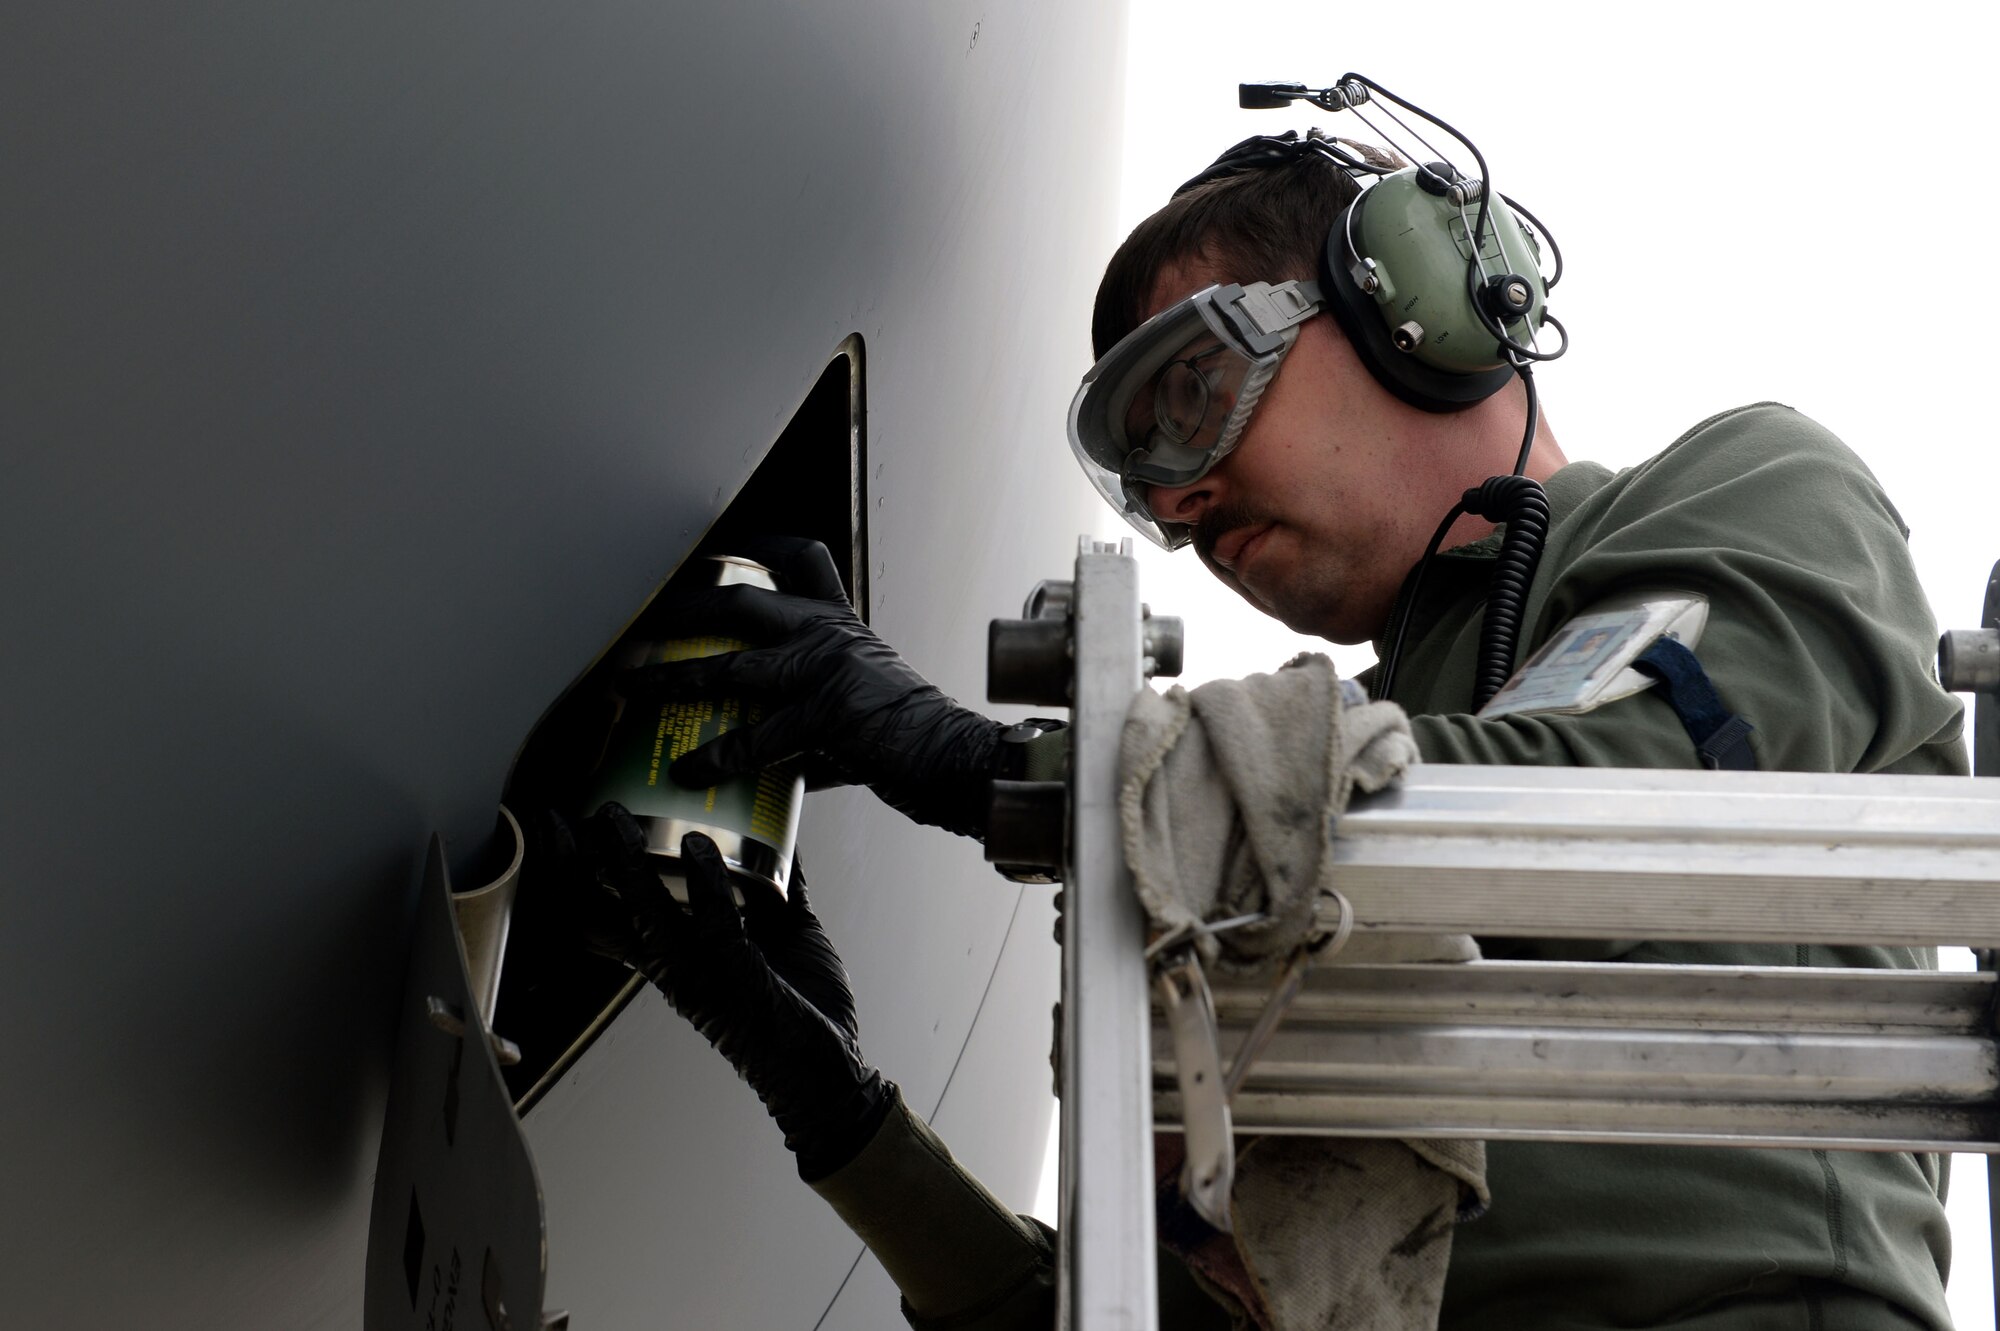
{"x":1262,"y":151}
{"x":1438,"y":285}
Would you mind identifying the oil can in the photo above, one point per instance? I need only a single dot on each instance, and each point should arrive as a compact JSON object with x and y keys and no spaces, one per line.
{"x":753,"y":819}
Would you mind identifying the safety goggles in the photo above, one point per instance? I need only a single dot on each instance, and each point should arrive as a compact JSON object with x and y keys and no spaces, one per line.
{"x":1173,"y":397}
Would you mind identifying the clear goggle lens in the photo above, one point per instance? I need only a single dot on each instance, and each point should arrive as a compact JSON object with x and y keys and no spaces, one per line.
{"x":1182,"y":394}
{"x":1193,"y":415}
{"x":1172,"y":399}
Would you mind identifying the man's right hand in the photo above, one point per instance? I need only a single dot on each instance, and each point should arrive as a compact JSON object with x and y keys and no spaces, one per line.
{"x":764,"y":986}
{"x":834,"y":694}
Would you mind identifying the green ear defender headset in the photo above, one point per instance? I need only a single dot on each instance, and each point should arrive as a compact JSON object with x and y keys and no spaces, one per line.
{"x":1437,"y":282}
{"x":1435,"y":279}
{"x":1394,"y":276}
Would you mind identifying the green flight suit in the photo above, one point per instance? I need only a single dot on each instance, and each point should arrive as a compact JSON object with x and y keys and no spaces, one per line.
{"x":1820,"y":636}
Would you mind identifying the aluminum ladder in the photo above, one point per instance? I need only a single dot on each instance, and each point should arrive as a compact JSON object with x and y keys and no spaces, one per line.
{"x":1698,"y":1055}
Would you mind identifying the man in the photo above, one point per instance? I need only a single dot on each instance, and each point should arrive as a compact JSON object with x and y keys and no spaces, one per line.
{"x":1316,"y":509}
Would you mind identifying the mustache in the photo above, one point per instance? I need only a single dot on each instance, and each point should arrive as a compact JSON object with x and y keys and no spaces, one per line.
{"x":1217,"y":523}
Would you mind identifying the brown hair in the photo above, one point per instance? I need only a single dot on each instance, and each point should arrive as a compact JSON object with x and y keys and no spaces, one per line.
{"x":1263,"y":225}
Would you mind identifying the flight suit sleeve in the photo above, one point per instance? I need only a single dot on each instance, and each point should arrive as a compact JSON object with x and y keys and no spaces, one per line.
{"x":962,"y":1261}
{"x":1818,"y":634}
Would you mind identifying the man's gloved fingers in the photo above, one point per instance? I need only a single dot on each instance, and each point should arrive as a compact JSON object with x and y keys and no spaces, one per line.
{"x":656,"y":918}
{"x":549,"y":832}
{"x":766,"y":915}
{"x":823,"y":771}
{"x":709,"y":899}
{"x":809,"y":571}
{"x":755,"y":614}
{"x":795,"y":891}
{"x":613,"y":838}
{"x":803,"y":567}
{"x":741,"y":751}
{"x":754,"y":670}
{"x":797,"y":948}
{"x":552,"y":847}
{"x":603,"y":924}
{"x":597,"y":919}
{"x":617,"y":845}
{"x":669,"y":681}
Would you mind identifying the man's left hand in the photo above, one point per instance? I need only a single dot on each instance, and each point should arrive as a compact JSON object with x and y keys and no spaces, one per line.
{"x":835,"y":693}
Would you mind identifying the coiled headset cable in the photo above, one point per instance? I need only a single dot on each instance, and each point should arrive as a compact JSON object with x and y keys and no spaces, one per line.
{"x":1519,"y":502}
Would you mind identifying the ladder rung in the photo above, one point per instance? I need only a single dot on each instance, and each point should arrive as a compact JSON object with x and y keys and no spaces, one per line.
{"x":1613,"y":1052}
{"x":1582,"y":994}
{"x":1619,"y":853}
{"x":1842,"y":1127}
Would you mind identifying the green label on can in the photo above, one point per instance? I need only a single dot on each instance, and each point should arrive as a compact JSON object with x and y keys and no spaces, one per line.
{"x":648,"y":739}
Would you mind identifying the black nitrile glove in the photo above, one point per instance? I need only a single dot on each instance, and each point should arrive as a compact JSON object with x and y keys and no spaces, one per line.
{"x":833,"y":692}
{"x":589,"y":909}
{"x":765,"y":987}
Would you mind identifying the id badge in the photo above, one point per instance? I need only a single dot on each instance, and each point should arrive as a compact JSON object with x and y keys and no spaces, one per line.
{"x":1588,"y":661}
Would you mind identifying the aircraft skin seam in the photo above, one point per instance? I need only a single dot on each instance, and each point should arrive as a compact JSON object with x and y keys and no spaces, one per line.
{"x":1020,"y":892}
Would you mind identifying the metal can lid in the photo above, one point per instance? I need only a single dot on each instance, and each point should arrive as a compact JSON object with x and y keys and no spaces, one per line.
{"x":735,"y":569}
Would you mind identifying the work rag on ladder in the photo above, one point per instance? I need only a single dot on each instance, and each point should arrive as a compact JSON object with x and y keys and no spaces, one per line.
{"x":1228,"y":798}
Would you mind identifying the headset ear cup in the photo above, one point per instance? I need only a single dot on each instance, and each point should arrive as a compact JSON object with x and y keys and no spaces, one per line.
{"x":1366,"y":324}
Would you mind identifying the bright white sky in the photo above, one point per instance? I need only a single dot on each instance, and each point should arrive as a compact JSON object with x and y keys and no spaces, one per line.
{"x":1754,"y":200}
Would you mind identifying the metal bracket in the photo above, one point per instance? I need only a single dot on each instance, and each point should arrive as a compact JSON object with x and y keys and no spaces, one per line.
{"x":457,"y":1219}
{"x":1209,"y":1169}
{"x":1969,"y":662}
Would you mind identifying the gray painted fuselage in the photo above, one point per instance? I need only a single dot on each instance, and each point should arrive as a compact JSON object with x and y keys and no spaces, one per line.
{"x":362,"y":370}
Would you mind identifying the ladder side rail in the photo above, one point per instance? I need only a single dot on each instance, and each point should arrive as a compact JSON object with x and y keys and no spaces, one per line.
{"x":1105,"y":1251}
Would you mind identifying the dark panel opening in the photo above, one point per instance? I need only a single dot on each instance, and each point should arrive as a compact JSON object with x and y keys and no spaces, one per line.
{"x":555,"y":996}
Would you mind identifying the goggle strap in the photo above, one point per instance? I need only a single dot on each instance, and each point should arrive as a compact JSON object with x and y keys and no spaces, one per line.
{"x":1247,"y":397}
{"x":1268,"y":312}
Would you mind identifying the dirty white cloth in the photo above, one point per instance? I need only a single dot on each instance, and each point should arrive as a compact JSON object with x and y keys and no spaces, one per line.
{"x":1228,"y":796}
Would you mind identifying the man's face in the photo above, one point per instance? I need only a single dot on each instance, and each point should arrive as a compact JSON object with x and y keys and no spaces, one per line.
{"x":1310,"y":517}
